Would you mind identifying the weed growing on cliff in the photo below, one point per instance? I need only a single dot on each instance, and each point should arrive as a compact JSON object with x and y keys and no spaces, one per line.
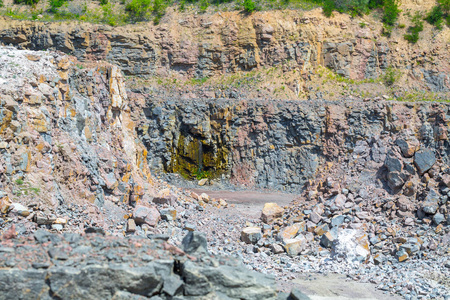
{"x":56,"y":4}
{"x":391,"y":12}
{"x":436,"y":17}
{"x":391,"y":76}
{"x":413,"y":35}
{"x":27,"y":2}
{"x":249,"y":6}
{"x":201,"y":174}
{"x":439,"y":13}
{"x":138,"y":10}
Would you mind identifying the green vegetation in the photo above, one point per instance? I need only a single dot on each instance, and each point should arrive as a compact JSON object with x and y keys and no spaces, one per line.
{"x":249,"y":6}
{"x":201,"y":174}
{"x":25,"y":188}
{"x":27,"y":2}
{"x":120,"y":12}
{"x":413,"y":35}
{"x":439,"y":14}
{"x":391,"y":76}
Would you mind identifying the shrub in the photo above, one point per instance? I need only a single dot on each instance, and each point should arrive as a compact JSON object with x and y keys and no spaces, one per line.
{"x":436,"y":17}
{"x":27,"y":2}
{"x":138,"y":9}
{"x":375,"y":4}
{"x":1,"y":3}
{"x":358,"y":7}
{"x":249,"y":6}
{"x":103,"y":2}
{"x":391,"y":12}
{"x":391,"y":76}
{"x":328,"y":7}
{"x":55,"y":4}
{"x":445,"y":4}
{"x":414,"y":31}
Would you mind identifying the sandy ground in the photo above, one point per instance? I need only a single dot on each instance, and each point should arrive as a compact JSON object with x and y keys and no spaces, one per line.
{"x":249,"y":203}
{"x":337,"y":287}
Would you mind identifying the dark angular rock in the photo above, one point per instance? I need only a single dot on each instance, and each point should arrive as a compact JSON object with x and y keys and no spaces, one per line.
{"x":431,"y":202}
{"x":195,"y":243}
{"x":23,"y":284}
{"x":173,"y":285}
{"x":424,"y":159}
{"x":296,"y":294}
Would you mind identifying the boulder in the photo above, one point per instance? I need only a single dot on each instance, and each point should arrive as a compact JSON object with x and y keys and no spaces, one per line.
{"x":19,"y":209}
{"x":270,"y":212}
{"x":328,"y":238}
{"x":295,"y":246}
{"x":424,"y":159}
{"x":131,"y":225}
{"x":165,"y":196}
{"x":408,"y":146}
{"x":291,"y":231}
{"x":148,"y":215}
{"x":431,"y":202}
{"x":251,"y":235}
{"x":195,"y":243}
{"x":5,"y":204}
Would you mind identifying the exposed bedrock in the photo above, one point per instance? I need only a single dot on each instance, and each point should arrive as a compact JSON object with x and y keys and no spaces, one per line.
{"x":284,"y":144}
{"x":207,"y":45}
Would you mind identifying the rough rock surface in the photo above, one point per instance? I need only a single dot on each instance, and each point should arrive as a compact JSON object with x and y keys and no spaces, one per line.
{"x":78,"y":149}
{"x":204,"y":45}
{"x":92,"y":266}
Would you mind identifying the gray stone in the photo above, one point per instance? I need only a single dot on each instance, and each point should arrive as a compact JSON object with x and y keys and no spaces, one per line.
{"x":438,"y":218}
{"x":173,"y":285}
{"x":296,"y":294}
{"x":328,"y":238}
{"x":195,"y":243}
{"x":424,"y":159}
{"x":336,"y":221}
{"x":431,"y":202}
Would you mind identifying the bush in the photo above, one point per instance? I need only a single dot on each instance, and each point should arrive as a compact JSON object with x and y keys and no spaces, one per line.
{"x":391,"y":76}
{"x":391,"y":12}
{"x":436,"y":17}
{"x":414,"y":31}
{"x":249,"y":6}
{"x":55,"y":4}
{"x":103,"y":2}
{"x":138,"y":9}
{"x":445,"y":5}
{"x":328,"y":7}
{"x":355,"y":6}
{"x":27,"y":2}
{"x":375,"y":4}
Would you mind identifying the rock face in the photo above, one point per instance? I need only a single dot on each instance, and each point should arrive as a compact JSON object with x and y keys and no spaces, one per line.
{"x":112,"y":273}
{"x":68,"y":139}
{"x":284,"y":144}
{"x":207,"y":45}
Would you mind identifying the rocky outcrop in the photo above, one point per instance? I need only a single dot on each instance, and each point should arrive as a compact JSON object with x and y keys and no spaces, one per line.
{"x":207,"y":45}
{"x":92,"y":266}
{"x":283,"y":144}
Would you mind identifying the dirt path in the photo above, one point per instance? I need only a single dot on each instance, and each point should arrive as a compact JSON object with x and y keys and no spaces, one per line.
{"x":249,"y":203}
{"x":337,"y":287}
